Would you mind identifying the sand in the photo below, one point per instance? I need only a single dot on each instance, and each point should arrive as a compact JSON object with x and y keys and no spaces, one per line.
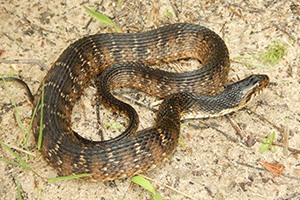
{"x":207,"y":164}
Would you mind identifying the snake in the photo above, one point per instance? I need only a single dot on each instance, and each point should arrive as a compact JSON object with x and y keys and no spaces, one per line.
{"x":127,"y":60}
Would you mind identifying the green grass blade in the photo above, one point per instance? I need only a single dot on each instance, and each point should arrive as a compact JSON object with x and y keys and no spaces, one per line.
{"x":29,"y":128}
{"x":19,"y":189}
{"x":50,"y":180}
{"x":31,"y":121}
{"x":25,"y":136}
{"x":41,"y":120}
{"x":116,"y":28}
{"x":15,"y":163}
{"x":147,"y":185}
{"x":143,"y":182}
{"x":98,"y":16}
{"x":23,"y":163}
{"x":39,"y":193}
{"x":157,"y":196}
{"x":16,"y":108}
{"x":260,"y":65}
{"x":104,"y":19}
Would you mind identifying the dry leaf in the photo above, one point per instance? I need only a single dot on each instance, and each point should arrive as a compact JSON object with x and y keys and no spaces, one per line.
{"x":2,"y":52}
{"x":274,"y":168}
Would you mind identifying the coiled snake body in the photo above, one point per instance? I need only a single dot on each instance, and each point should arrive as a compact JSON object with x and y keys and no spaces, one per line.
{"x":132,"y":152}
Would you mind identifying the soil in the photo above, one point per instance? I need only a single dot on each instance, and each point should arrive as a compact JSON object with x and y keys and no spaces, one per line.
{"x":206,"y":164}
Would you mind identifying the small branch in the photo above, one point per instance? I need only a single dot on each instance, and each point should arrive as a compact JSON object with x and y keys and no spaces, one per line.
{"x":235,"y":126}
{"x":285,"y":31}
{"x":263,"y":169}
{"x":264,"y":119}
{"x":26,"y":61}
{"x":222,"y":132}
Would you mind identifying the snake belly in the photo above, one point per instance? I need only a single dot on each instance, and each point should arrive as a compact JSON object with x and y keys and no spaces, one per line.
{"x":120,"y":157}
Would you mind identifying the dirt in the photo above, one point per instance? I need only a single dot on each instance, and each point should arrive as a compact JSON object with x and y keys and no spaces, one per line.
{"x":206,"y":164}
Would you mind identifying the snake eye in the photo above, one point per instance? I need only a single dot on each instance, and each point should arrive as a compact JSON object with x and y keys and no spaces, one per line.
{"x":253,"y":80}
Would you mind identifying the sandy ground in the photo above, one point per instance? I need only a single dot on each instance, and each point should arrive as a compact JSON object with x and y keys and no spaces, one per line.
{"x":207,"y":164}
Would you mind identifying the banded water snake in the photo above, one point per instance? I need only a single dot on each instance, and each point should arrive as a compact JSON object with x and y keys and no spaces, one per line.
{"x":130,"y":152}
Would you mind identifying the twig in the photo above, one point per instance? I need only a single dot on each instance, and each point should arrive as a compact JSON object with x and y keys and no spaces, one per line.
{"x":263,"y":169}
{"x":289,"y":148}
{"x":235,"y":126}
{"x":174,"y":8}
{"x":26,"y":61}
{"x":250,"y":7}
{"x":135,"y":102}
{"x":285,"y":31}
{"x":264,"y":119}
{"x":17,"y":43}
{"x":21,"y":150}
{"x":275,"y":126}
{"x":228,"y":5}
{"x":222,"y":132}
{"x":292,"y":196}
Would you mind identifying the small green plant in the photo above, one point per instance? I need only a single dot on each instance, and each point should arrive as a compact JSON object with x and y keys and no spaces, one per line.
{"x":268,"y":143}
{"x":104,"y":19}
{"x":168,"y":13}
{"x":274,"y":54}
{"x":147,"y":185}
{"x":10,"y":74}
{"x":180,"y":141}
{"x":113,"y":125}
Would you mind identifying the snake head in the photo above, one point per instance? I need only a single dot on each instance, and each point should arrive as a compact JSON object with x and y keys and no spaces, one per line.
{"x":252,"y":86}
{"x":239,"y":94}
